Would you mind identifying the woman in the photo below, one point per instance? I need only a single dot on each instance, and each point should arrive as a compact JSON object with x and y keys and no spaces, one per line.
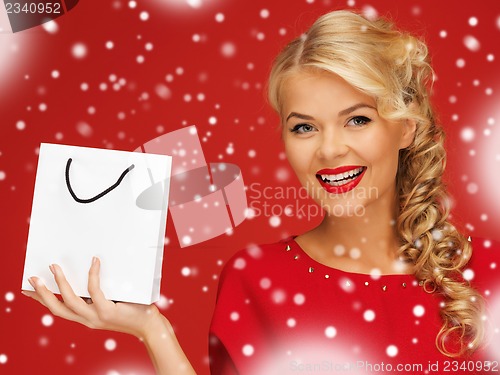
{"x":379,"y":281}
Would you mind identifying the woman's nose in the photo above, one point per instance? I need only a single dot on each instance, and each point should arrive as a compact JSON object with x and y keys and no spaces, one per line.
{"x":332,"y":144}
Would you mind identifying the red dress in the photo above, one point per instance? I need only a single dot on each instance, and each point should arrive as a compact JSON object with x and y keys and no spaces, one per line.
{"x":279,"y":311}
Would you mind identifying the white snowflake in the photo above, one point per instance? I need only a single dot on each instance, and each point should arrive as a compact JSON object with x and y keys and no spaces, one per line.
{"x":110,"y":345}
{"x":468,"y":274}
{"x":467,"y":134}
{"x":392,"y":350}
{"x":248,"y":350}
{"x":472,"y":188}
{"x":265,"y":283}
{"x":219,"y":17}
{"x":84,"y":129}
{"x":20,"y":125}
{"x":355,"y":253}
{"x":473,"y":21}
{"x":419,"y":311}
{"x":240,"y":263}
{"x":330,"y":332}
{"x":369,"y":12}
{"x":234,"y":316}
{"x":274,"y":221}
{"x":278,"y":296}
{"x":299,"y":299}
{"x":186,"y":240}
{"x":228,"y":49}
{"x":79,"y":50}
{"x":47,"y":320}
{"x":339,"y":250}
{"x":51,"y":27}
{"x":369,"y":315}
{"x":346,"y":285}
{"x":472,"y":43}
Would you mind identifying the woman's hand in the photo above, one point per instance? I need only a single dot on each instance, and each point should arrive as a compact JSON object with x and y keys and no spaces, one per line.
{"x":142,"y":321}
{"x":98,"y":313}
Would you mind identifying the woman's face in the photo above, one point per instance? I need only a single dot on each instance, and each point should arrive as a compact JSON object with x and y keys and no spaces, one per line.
{"x":342,"y":151}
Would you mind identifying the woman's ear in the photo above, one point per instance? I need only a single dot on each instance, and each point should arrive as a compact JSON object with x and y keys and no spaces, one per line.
{"x":409,"y":129}
{"x":408,"y":135}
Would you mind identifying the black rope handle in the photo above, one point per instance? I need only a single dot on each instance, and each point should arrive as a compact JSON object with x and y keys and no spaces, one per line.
{"x":100,"y":195}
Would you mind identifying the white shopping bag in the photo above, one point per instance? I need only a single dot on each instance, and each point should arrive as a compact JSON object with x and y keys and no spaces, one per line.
{"x":88,"y":202}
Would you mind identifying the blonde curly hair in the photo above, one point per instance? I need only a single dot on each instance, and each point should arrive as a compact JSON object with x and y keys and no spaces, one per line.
{"x":393,"y":67}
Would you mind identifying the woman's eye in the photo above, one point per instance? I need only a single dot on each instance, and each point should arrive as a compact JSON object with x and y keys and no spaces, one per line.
{"x":302,"y":128}
{"x":359,"y":121}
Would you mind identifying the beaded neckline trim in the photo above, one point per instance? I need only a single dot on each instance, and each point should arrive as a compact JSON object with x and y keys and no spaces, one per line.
{"x":376,"y":281}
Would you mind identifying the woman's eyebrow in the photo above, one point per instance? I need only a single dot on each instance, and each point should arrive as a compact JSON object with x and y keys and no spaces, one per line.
{"x":340,"y":114}
{"x":300,"y":116}
{"x":355,"y":107}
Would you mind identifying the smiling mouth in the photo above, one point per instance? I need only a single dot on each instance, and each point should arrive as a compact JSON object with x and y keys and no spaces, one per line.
{"x":341,"y":179}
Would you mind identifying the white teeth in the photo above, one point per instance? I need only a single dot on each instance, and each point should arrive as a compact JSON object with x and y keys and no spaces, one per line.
{"x":336,"y":179}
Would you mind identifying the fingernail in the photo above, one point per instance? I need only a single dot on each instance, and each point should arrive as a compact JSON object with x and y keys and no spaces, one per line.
{"x":52,"y":269}
{"x":25,"y":294}
{"x":32,"y":282}
{"x":94,"y":260}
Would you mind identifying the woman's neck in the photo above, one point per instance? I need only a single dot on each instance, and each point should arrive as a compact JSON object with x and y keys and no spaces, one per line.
{"x":364,"y":244}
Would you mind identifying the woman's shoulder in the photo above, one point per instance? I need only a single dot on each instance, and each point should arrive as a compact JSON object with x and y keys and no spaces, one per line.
{"x":255,"y":259}
{"x":255,"y":255}
{"x":248,"y":267}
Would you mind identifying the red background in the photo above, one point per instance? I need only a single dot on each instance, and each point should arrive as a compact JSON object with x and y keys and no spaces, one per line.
{"x":467,"y":97}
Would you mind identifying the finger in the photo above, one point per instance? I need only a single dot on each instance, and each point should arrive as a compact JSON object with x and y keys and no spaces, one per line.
{"x":94,"y":287}
{"x":49,"y":300}
{"x":71,"y":300}
{"x":34,"y":295}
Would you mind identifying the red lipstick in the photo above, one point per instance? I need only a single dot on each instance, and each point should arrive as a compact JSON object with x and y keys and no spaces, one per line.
{"x":341,"y":187}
